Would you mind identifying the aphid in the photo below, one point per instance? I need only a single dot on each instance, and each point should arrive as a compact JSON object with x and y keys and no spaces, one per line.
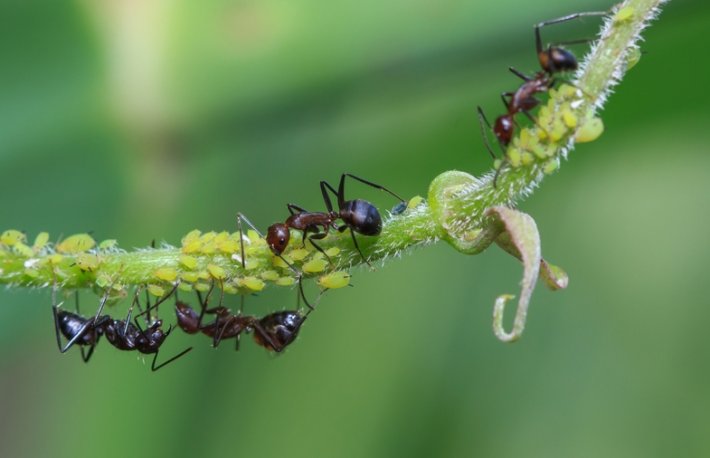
{"x":357,"y":215}
{"x":553,"y":59}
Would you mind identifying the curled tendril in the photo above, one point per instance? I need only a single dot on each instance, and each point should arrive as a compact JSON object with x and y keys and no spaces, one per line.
{"x":522,"y":232}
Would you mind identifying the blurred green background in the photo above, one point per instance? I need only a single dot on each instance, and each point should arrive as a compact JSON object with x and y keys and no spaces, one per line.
{"x":139,"y":120}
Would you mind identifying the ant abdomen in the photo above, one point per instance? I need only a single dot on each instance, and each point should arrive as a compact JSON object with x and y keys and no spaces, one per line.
{"x":557,"y":60}
{"x":362,"y":216}
{"x":281,"y":327}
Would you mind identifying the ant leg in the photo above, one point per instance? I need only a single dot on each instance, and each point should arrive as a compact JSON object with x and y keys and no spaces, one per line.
{"x":324,"y":186}
{"x":276,"y":347}
{"x":87,"y":357}
{"x":293,"y":209}
{"x":154,"y":368}
{"x":519,"y":74}
{"x":569,"y":17}
{"x":357,"y":247}
{"x":319,"y":236}
{"x":84,"y":329}
{"x":240,"y":218}
{"x":341,"y":189}
{"x":482,"y":119}
{"x":534,"y":121}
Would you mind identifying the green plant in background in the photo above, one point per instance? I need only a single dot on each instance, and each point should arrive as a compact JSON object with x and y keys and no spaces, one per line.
{"x":467,"y":212}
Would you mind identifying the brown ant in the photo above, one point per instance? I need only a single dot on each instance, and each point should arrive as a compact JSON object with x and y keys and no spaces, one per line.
{"x":553,"y":59}
{"x":122,"y":334}
{"x":357,"y":215}
{"x":274,"y":332}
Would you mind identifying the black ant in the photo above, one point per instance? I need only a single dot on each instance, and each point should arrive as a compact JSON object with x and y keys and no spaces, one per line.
{"x":75,"y":328}
{"x":553,"y":59}
{"x":122,"y":334}
{"x":274,"y":332}
{"x":357,"y":215}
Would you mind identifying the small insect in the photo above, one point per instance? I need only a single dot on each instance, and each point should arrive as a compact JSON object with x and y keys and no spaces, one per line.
{"x":358,"y":215}
{"x":553,"y":59}
{"x":274,"y":332}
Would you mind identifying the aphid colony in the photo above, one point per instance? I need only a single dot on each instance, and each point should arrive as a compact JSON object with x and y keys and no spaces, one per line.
{"x":275,"y":331}
{"x":553,"y":59}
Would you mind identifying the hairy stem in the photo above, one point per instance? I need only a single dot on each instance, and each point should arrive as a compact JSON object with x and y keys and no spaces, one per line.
{"x":454,"y":211}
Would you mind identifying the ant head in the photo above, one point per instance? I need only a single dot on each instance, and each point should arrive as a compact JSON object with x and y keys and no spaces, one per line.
{"x":281,"y":327}
{"x":362,"y":217}
{"x":556,"y":59}
{"x":504,"y":128}
{"x":277,"y":237}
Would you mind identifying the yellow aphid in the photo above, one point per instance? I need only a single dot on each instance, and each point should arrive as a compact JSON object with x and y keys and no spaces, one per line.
{"x":254,"y":236}
{"x":253,"y":283}
{"x":221,"y":237}
{"x":315,"y":265}
{"x":333,"y":251}
{"x":208,"y":247}
{"x":40,"y":241}
{"x":524,"y":140}
{"x":550,"y":166}
{"x":217,"y":272}
{"x":166,"y":274}
{"x":87,"y":262}
{"x":77,"y":243}
{"x":298,"y":254}
{"x":11,"y":237}
{"x":102,"y":281}
{"x":335,"y":280}
{"x":539,"y":151}
{"x":590,"y":130}
{"x":24,"y":250}
{"x":202,"y":287}
{"x":190,"y":277}
{"x":229,"y":289}
{"x":569,"y":119}
{"x":55,"y":259}
{"x":558,"y":131}
{"x":285,"y":281}
{"x":526,"y":158}
{"x":413,"y":203}
{"x":633,"y":58}
{"x":513,"y":155}
{"x":276,"y":261}
{"x":208,"y":236}
{"x":31,"y":273}
{"x":568,"y":92}
{"x":156,"y":290}
{"x":108,"y":244}
{"x":186,"y":287}
{"x":497,"y":163}
{"x":188,"y":261}
{"x":542,"y":133}
{"x":191,"y":236}
{"x":203,"y":274}
{"x":193,"y":246}
{"x":624,"y":14}
{"x":228,"y":246}
{"x":270,"y":275}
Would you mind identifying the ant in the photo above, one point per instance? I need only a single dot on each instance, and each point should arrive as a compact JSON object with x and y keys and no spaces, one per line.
{"x":274,"y":332}
{"x":357,"y":215}
{"x":553,"y":59}
{"x":122,"y":334}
